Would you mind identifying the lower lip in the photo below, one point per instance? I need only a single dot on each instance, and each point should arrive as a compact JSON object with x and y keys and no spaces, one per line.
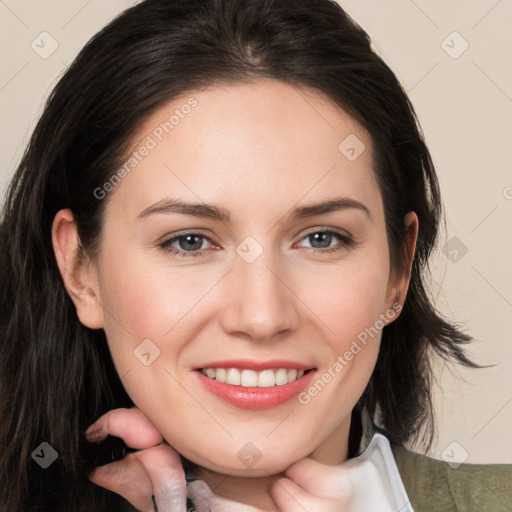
{"x":255,"y":397}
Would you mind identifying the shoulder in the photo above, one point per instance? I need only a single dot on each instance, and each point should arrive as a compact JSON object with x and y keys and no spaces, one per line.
{"x":435,"y":485}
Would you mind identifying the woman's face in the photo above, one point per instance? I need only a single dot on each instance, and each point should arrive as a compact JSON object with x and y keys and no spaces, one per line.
{"x":254,"y":282}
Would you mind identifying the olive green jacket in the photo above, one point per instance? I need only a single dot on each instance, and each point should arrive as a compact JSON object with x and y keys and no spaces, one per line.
{"x":434,"y":485}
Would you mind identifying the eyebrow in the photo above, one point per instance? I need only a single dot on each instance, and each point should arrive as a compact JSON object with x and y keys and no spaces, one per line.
{"x":213,"y":212}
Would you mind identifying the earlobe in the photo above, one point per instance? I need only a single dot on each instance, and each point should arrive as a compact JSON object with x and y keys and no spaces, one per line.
{"x":77,"y":271}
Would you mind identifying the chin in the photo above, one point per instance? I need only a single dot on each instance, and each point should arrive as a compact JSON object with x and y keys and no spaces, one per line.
{"x":254,"y":469}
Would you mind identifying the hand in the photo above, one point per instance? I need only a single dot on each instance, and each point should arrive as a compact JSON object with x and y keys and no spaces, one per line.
{"x":156,"y":470}
{"x":310,"y":486}
{"x":314,"y":487}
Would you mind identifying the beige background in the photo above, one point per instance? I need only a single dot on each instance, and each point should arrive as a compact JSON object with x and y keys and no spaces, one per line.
{"x":464,"y":102}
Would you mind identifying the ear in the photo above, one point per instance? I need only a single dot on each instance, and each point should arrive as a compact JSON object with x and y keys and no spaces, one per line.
{"x":78,"y":272}
{"x":399,"y":284}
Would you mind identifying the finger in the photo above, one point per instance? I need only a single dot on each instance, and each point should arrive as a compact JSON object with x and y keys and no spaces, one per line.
{"x":128,"y":478}
{"x":289,"y":497}
{"x":320,"y":480}
{"x":164,"y":469}
{"x":132,"y":425}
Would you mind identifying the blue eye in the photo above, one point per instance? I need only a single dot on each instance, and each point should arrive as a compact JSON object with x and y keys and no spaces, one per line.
{"x":191,"y":244}
{"x":193,"y":241}
{"x":326,"y":236}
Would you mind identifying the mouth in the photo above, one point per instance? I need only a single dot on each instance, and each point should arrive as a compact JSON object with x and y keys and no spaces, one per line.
{"x":263,"y":386}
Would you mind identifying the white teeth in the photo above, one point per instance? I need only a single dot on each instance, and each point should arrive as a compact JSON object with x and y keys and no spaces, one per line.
{"x":292,"y":374}
{"x":233,"y":377}
{"x":220,"y":374}
{"x":266,"y":379}
{"x":281,"y":377}
{"x":250,"y":378}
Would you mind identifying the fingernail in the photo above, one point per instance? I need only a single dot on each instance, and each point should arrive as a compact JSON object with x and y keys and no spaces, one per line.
{"x":90,"y":427}
{"x":93,"y":436}
{"x":95,"y":433}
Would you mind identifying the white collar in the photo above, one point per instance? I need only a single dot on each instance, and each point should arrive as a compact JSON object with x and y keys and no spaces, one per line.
{"x":376,"y":482}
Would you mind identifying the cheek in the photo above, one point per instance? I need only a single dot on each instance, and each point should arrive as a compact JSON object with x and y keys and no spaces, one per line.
{"x":147,"y":301}
{"x":138,"y":306}
{"x":350,"y":298}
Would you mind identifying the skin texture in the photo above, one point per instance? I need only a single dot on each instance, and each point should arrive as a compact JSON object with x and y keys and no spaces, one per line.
{"x":258,"y":150}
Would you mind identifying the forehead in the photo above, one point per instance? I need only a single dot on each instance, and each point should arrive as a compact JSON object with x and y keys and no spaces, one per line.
{"x":264,"y":139}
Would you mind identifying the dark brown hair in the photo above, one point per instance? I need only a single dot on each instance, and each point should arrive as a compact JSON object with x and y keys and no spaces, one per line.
{"x":57,"y":376}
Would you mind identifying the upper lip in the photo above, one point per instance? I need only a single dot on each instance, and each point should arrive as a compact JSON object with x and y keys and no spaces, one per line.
{"x":249,"y":364}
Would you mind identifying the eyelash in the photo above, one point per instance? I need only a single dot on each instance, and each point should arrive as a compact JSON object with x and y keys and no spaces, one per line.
{"x":346,"y":242}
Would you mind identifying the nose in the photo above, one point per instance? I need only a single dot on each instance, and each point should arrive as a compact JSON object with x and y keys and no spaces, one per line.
{"x":261,"y":304}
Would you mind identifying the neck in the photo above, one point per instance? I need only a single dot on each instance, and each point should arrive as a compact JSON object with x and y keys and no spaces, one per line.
{"x":254,"y":494}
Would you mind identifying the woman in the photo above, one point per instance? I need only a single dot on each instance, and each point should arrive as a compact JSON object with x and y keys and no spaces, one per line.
{"x":160,"y":261}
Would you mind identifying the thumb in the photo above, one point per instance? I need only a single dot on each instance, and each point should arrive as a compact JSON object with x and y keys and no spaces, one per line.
{"x":127,"y":478}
